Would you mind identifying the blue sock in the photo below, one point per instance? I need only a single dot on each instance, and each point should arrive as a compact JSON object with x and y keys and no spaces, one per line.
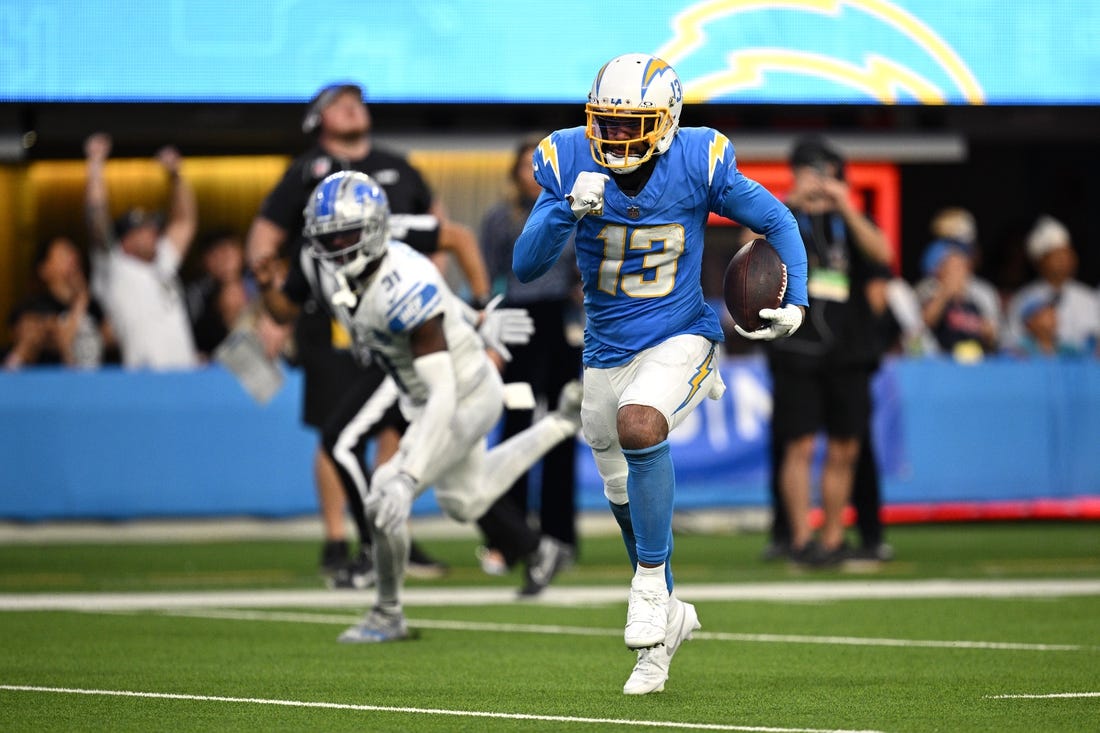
{"x":622,"y":516}
{"x":650,"y":485}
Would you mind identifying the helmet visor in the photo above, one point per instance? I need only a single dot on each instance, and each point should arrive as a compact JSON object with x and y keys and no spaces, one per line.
{"x":340,"y":247}
{"x":333,"y":243}
{"x":624,"y":137}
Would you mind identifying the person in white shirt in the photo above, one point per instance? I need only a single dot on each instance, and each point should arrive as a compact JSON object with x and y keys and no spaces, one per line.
{"x":1050,"y":249}
{"x":135,"y":265}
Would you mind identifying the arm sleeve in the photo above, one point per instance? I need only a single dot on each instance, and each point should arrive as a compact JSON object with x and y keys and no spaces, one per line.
{"x":546,"y":233}
{"x":427,"y":434}
{"x":749,"y":203}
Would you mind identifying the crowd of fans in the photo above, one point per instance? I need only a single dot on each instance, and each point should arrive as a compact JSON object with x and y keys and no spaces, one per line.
{"x":1053,"y":315}
{"x":81,"y":318}
{"x":142,"y":297}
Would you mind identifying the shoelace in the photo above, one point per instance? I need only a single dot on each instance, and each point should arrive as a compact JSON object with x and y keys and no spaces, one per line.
{"x":650,"y":600}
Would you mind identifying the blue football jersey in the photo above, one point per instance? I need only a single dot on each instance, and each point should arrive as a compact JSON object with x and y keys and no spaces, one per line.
{"x":641,"y":259}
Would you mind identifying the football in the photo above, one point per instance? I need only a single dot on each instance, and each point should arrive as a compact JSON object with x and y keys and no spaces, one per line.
{"x":755,"y":279}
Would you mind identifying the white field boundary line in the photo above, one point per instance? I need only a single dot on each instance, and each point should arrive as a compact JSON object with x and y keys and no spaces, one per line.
{"x":1048,"y":696}
{"x":421,"y":711}
{"x":782,"y":592}
{"x":590,"y":631}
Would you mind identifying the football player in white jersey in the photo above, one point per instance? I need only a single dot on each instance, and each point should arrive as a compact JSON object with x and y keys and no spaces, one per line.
{"x":635,"y":189}
{"x":400,"y":312}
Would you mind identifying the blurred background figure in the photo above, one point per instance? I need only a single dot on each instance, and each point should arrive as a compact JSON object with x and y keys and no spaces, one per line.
{"x":821,"y":374}
{"x":135,"y":264}
{"x":218,"y":298}
{"x":962,"y":312}
{"x":547,"y":363}
{"x":957,"y":225}
{"x":902,"y":330}
{"x":61,"y":323}
{"x":1050,"y":249}
{"x":1039,"y":316}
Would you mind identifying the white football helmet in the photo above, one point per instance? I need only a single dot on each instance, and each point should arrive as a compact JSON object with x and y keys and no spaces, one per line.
{"x":633,"y":111}
{"x":347,"y":222}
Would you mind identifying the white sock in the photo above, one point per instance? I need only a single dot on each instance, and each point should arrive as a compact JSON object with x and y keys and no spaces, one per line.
{"x":649,"y":577}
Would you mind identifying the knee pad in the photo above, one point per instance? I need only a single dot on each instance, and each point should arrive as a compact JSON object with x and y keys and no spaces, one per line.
{"x":615,"y":490}
{"x":599,"y":433}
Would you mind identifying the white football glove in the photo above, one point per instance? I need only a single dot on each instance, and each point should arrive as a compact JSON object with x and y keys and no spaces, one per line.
{"x":784,"y":322}
{"x":500,"y":326}
{"x":390,"y":504}
{"x":587,"y":194}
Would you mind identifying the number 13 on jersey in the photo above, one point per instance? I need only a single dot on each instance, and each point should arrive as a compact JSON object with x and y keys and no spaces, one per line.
{"x":662,"y":245}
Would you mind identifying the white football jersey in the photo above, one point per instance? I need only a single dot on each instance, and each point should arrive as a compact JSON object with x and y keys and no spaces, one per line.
{"x":406,"y":291}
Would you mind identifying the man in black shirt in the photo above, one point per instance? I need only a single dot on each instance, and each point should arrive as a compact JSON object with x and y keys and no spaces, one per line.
{"x":337,"y":388}
{"x":821,"y":374}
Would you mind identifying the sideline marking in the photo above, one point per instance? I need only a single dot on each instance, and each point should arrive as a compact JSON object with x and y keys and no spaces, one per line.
{"x":780,"y":592}
{"x":1043,"y":697}
{"x":589,"y":631}
{"x":424,"y":711}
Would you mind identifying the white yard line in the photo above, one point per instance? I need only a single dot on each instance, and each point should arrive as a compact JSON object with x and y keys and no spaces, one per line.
{"x":1048,"y":696}
{"x":445,"y":625}
{"x":557,"y":595}
{"x":420,"y":711}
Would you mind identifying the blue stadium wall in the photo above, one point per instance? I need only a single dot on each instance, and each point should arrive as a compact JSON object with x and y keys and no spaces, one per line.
{"x":116,"y":445}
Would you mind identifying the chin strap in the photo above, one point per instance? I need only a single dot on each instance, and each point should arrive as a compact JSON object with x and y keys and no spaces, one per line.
{"x":344,"y":297}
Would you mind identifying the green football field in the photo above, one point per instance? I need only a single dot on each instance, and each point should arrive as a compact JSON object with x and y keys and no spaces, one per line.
{"x":972,"y":628}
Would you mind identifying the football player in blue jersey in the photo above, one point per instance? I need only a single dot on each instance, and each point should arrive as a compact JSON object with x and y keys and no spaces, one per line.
{"x":651,"y":342}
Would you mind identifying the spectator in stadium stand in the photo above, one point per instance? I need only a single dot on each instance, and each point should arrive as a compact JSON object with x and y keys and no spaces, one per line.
{"x":821,"y":375}
{"x":962,"y":312}
{"x":61,"y":323}
{"x":956,"y":224}
{"x":135,"y":264}
{"x":218,"y":298}
{"x":1051,"y":251}
{"x":1041,"y":337}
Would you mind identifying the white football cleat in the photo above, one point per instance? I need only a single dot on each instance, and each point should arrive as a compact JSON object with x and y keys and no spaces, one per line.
{"x":651,"y":671}
{"x":646,"y":613}
{"x":683,"y":621}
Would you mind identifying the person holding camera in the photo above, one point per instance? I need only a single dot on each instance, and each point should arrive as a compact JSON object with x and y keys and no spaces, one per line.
{"x":822,"y":373}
